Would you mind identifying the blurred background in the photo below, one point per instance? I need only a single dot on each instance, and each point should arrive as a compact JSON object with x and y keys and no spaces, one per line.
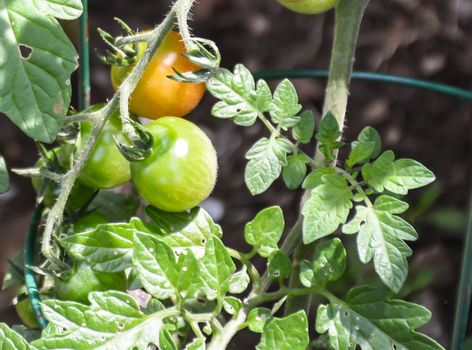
{"x":427,"y":39}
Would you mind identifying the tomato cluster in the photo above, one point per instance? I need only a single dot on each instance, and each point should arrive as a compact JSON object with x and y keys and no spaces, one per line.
{"x":179,"y":173}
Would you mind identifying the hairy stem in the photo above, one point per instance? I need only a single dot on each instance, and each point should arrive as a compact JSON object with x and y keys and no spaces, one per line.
{"x":348,"y":20}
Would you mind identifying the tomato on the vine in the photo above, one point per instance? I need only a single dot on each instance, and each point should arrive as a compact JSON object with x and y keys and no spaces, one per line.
{"x":80,"y":194}
{"x":25,"y":311}
{"x":181,"y":171}
{"x":83,"y":280}
{"x":89,"y":222}
{"x":156,"y":95}
{"x":106,"y":167}
{"x":309,"y":6}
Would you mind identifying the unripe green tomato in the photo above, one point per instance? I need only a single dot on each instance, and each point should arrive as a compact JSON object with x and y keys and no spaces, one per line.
{"x":181,"y":171}
{"x":106,"y":167}
{"x":84,"y":280}
{"x":309,"y":6}
{"x":79,"y":196}
{"x":25,"y":312}
{"x":89,"y":222}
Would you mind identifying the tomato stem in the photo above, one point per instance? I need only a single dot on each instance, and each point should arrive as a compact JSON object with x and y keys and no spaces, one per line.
{"x":348,"y":20}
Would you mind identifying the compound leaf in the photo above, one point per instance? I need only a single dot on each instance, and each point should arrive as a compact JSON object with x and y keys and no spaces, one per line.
{"x":113,"y":320}
{"x":372,"y":321}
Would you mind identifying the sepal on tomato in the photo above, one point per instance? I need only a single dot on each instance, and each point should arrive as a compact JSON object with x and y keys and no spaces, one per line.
{"x":139,"y":145}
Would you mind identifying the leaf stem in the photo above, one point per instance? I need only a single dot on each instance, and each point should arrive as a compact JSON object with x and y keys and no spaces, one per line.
{"x":348,"y":20}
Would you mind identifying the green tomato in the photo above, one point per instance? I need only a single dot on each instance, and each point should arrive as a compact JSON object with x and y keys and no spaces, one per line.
{"x":83,"y":280}
{"x":80,"y":194}
{"x":106,"y":167}
{"x":25,"y":311}
{"x":181,"y":171}
{"x":89,"y":222}
{"x":309,"y":6}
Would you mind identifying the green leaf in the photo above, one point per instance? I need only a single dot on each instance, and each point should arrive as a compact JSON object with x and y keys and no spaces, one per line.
{"x":397,"y":176}
{"x":294,"y":172}
{"x":36,"y":65}
{"x":266,"y":159}
{"x":328,"y":264}
{"x":280,"y":265}
{"x":156,"y":266}
{"x":185,"y":230}
{"x":381,"y":238}
{"x":239,"y":281}
{"x":107,"y":248}
{"x":390,"y":204}
{"x":314,"y":178}
{"x":63,"y":9}
{"x":328,"y":136}
{"x":304,"y":129}
{"x":232,"y":305}
{"x":11,"y":340}
{"x":257,"y":318}
{"x":368,"y":145}
{"x":327,"y":208}
{"x":236,"y":92}
{"x":284,"y":107}
{"x":4,"y":178}
{"x":216,"y":268}
{"x":372,"y":321}
{"x":113,"y":320}
{"x":288,"y":333}
{"x":265,"y":230}
{"x":263,"y":96}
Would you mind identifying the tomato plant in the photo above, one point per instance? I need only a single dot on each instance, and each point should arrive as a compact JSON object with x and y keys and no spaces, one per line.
{"x":309,"y":6}
{"x":181,"y":172}
{"x":156,"y":95}
{"x":106,"y":167}
{"x":154,"y":270}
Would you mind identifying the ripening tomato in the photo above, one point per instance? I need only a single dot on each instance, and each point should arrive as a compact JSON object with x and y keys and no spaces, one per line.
{"x":181,"y":171}
{"x":309,"y":6}
{"x":156,"y":95}
{"x":106,"y":167}
{"x":83,"y":280}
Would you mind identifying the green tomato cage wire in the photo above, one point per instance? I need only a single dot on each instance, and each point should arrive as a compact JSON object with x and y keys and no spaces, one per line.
{"x":464,"y":294}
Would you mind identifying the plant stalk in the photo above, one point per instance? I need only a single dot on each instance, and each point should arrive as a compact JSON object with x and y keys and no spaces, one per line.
{"x":349,"y":15}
